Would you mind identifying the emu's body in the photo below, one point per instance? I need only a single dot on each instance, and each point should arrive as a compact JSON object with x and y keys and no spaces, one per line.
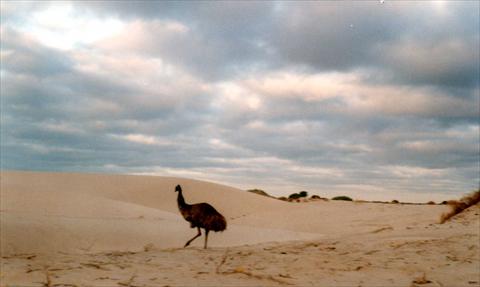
{"x":200,"y":215}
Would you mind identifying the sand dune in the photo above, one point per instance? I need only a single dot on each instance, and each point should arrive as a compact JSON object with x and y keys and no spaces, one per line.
{"x":117,"y":230}
{"x":77,"y":212}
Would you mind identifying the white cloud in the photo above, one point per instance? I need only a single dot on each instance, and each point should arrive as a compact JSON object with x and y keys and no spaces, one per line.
{"x":142,"y":37}
{"x":309,"y":87}
{"x":144,"y":139}
{"x":415,"y":172}
{"x":233,"y":96}
{"x":58,"y":26}
{"x":359,"y":96}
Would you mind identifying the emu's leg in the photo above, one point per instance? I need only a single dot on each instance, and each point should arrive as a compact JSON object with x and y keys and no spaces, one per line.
{"x":206,"y":238}
{"x":189,"y":241}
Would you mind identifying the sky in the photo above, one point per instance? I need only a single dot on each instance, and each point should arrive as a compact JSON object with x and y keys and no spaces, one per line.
{"x":371,"y":99}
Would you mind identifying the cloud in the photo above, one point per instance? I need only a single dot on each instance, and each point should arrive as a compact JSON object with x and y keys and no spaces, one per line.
{"x":144,"y":139}
{"x":453,"y":62}
{"x":314,"y":35}
{"x":231,"y":38}
{"x":315,"y":96}
{"x":366,"y":98}
{"x":179,"y":44}
{"x":395,"y":37}
{"x":21,"y":56}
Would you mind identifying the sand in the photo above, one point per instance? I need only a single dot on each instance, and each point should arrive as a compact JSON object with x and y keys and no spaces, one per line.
{"x":66,"y":229}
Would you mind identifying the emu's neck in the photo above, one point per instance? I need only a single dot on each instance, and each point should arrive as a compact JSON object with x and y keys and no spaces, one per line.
{"x":181,"y":201}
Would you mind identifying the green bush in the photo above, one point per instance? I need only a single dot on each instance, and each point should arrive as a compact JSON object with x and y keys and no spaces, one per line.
{"x":294,"y":196}
{"x":343,"y":197}
{"x":303,"y":194}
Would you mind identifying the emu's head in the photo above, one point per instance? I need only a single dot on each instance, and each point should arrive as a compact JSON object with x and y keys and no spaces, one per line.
{"x":178,"y":188}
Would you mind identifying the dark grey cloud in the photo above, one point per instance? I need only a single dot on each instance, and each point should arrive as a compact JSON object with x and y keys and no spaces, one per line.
{"x":396,"y":37}
{"x":447,"y":63}
{"x":24,"y":57}
{"x":316,"y":34}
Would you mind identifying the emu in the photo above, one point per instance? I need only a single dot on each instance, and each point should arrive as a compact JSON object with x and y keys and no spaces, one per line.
{"x":200,"y":215}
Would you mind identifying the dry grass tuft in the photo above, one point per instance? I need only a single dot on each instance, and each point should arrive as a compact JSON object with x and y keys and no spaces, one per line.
{"x":259,"y":192}
{"x":421,"y":280}
{"x":459,"y":206}
{"x":148,"y":247}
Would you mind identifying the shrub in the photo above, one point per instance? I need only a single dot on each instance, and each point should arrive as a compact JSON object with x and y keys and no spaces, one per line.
{"x":283,"y":198}
{"x":303,"y":194}
{"x":258,"y":191}
{"x":148,"y":247}
{"x":343,"y":197}
{"x":316,"y":197}
{"x":459,"y":206}
{"x":294,"y":196}
{"x":431,"y":203}
{"x":395,"y":201}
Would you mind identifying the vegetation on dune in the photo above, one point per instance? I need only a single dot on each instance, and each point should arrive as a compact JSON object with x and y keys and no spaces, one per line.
{"x":259,"y":192}
{"x":303,"y":194}
{"x":342,"y":197}
{"x":298,"y":195}
{"x":316,"y":197}
{"x":457,"y":206}
{"x":294,"y":196}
